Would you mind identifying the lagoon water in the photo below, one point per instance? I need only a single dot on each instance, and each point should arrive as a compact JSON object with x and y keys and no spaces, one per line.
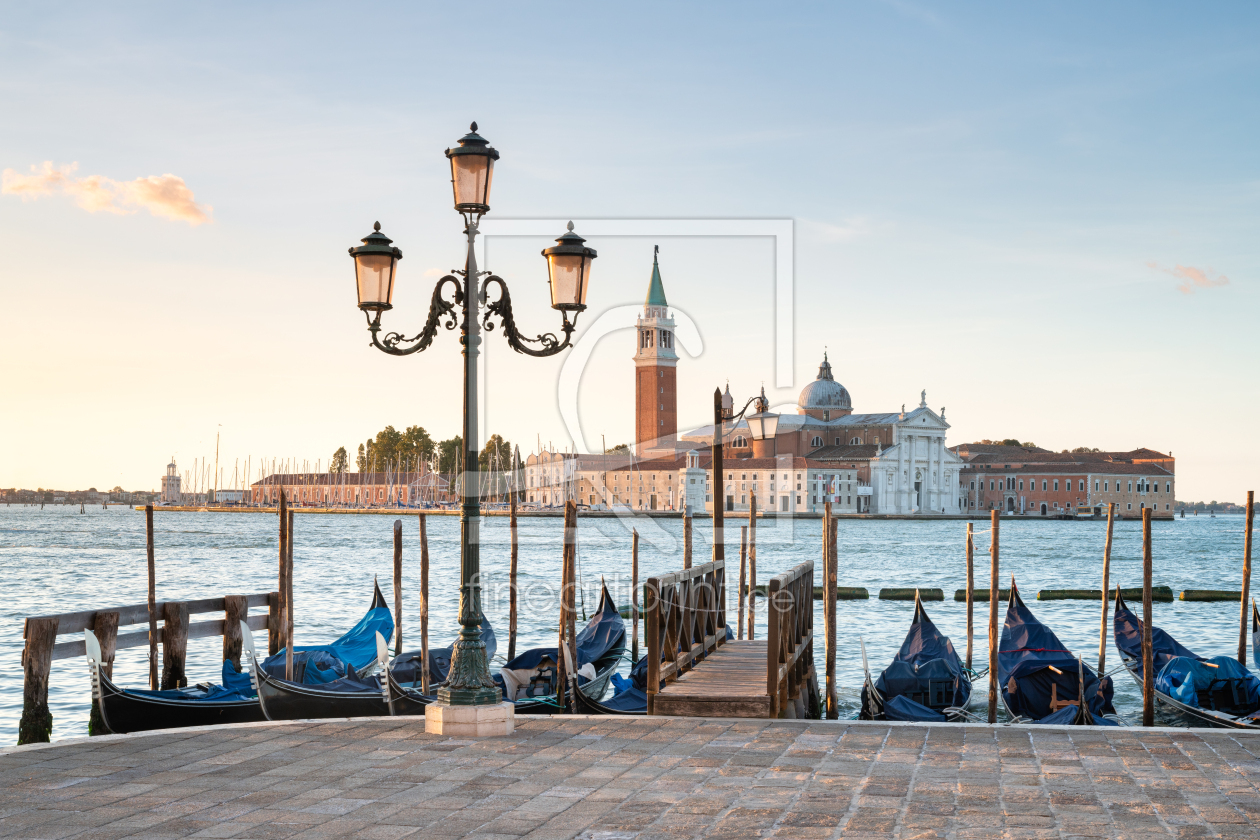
{"x":59,"y":560}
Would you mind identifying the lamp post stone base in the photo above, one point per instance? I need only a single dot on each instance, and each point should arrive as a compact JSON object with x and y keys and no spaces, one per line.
{"x":485,"y":721}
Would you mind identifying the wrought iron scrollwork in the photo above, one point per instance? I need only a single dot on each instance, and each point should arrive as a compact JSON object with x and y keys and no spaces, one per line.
{"x":438,"y":309}
{"x":501,"y":309}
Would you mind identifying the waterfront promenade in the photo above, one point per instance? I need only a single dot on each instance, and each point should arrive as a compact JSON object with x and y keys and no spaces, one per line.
{"x":622,"y":778}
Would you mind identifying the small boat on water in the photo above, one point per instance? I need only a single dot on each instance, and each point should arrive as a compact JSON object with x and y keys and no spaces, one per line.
{"x":1206,"y":692}
{"x":359,"y":695}
{"x":1041,"y":680}
{"x":529,"y":680}
{"x":234,"y":700}
{"x":925,"y":682}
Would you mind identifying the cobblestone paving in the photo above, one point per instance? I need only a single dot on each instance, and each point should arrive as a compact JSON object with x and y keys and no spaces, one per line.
{"x":623,"y":778}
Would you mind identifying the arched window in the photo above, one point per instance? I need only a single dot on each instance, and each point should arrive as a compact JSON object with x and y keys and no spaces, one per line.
{"x":739,"y":440}
{"x":817,"y":441}
{"x":857,"y":441}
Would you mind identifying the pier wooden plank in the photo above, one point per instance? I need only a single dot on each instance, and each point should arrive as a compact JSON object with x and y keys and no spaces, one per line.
{"x":729,"y":682}
{"x":140,"y":638}
{"x":77,"y":622}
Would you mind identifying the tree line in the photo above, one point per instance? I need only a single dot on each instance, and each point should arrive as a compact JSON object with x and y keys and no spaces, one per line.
{"x":407,"y":450}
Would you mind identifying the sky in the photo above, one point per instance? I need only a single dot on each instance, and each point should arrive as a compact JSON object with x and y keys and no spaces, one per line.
{"x":1043,"y":215}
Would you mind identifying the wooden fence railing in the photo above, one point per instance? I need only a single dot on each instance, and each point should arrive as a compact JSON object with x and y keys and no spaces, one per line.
{"x":42,"y":648}
{"x":685,"y":614}
{"x":790,"y":638}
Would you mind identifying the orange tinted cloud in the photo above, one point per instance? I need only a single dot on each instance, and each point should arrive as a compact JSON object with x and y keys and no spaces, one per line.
{"x":1192,"y":278}
{"x":165,"y":196}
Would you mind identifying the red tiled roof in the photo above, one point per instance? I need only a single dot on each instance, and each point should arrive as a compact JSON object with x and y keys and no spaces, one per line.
{"x":1090,"y":468}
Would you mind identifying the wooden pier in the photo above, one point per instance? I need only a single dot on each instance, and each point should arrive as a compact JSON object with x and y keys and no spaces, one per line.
{"x":712,"y":677}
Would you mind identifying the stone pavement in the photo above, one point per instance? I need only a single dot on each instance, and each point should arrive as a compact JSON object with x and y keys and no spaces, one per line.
{"x":622,"y":778}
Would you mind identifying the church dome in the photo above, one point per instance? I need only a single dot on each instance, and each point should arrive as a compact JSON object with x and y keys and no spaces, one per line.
{"x":824,"y":392}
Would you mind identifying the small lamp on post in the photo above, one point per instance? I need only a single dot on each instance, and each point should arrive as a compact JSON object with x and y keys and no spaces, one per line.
{"x":375,"y":266}
{"x":764,"y":426}
{"x":472,"y":169}
{"x":569,"y":271}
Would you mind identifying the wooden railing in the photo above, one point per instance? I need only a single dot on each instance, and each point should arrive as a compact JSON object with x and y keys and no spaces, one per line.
{"x":789,"y":637}
{"x":42,"y":648}
{"x":684,"y":620}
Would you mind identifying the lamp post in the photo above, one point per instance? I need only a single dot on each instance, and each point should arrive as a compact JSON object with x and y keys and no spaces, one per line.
{"x":376,"y":267}
{"x":766,"y":424}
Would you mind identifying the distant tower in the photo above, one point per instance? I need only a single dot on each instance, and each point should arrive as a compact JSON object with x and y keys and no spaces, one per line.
{"x":170,"y":484}
{"x":655,"y":371}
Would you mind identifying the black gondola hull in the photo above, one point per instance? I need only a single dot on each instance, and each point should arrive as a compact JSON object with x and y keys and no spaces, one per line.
{"x":282,"y":700}
{"x":126,"y":711}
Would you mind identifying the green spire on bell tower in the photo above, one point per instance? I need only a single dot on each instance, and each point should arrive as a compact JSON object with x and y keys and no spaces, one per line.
{"x":656,"y":289}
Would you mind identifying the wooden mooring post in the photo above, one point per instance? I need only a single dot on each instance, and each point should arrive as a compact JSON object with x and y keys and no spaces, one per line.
{"x":744,"y":592}
{"x":993,"y":615}
{"x":398,"y":598}
{"x":971,"y":591}
{"x":424,"y":605}
{"x":1106,"y":589}
{"x":1148,"y":663}
{"x":37,"y":720}
{"x":1246,"y":578}
{"x":566,"y":647}
{"x":686,"y":536}
{"x":235,"y":610}
{"x":635,"y":606}
{"x":511,"y":654}
{"x":829,"y":610}
{"x":288,"y":602}
{"x":153,"y":637}
{"x":174,"y":644}
{"x":752,"y":566}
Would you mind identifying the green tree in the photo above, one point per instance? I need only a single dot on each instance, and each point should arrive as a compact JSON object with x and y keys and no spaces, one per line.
{"x":361,"y":461}
{"x":415,"y":445}
{"x":449,"y":454}
{"x":1010,"y":442}
{"x":619,"y":449}
{"x":1081,"y":449}
{"x":495,"y":459}
{"x":340,"y":461}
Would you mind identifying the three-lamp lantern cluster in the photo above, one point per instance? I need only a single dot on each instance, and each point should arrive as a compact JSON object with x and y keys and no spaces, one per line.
{"x":472,"y":170}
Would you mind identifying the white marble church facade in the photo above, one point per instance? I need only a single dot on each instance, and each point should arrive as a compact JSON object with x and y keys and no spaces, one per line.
{"x":918,"y":473}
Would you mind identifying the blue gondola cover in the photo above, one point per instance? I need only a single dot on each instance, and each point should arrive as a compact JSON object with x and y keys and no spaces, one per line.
{"x":1026,"y":654}
{"x":925,"y":677}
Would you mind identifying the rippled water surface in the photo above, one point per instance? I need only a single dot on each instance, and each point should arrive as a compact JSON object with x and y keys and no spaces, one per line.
{"x":58,"y":560}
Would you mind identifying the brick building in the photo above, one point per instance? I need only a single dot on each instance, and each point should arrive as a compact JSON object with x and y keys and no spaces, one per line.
{"x":655,"y":373}
{"x":1069,"y":483}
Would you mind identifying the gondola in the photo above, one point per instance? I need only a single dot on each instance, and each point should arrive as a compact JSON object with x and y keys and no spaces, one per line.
{"x":529,"y":680}
{"x":925,"y":682}
{"x":1206,"y":692}
{"x":1041,"y":681}
{"x":235,"y":700}
{"x":361,"y":696}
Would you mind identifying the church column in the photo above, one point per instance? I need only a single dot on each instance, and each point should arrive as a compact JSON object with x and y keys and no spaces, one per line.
{"x":899,"y":481}
{"x":909,"y":485}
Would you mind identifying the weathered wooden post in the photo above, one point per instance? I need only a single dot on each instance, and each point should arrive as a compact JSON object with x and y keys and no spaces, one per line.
{"x":1148,"y":663}
{"x":1246,"y":581}
{"x":743,"y":577}
{"x":752,"y":566}
{"x":719,"y":485}
{"x":398,"y":598}
{"x":634,"y":595}
{"x":153,"y":637}
{"x":282,"y":582}
{"x":830,"y":524}
{"x":994,"y":582}
{"x":1106,"y":588}
{"x":686,"y":536}
{"x":275,"y":627}
{"x":424,"y":604}
{"x":235,"y":610}
{"x":971,"y":586}
{"x":105,"y":628}
{"x":511,"y":654}
{"x":174,"y":644}
{"x":564,"y":649}
{"x":288,"y":602}
{"x":36,"y":723}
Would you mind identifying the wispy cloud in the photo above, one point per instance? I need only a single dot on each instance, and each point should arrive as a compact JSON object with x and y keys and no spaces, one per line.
{"x":165,"y":196}
{"x":1192,"y":278}
{"x":848,"y":229}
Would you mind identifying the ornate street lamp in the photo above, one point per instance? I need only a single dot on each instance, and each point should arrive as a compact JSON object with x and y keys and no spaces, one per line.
{"x":569,"y":269}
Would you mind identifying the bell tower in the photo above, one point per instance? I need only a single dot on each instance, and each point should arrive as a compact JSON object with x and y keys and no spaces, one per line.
{"x":655,"y":371}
